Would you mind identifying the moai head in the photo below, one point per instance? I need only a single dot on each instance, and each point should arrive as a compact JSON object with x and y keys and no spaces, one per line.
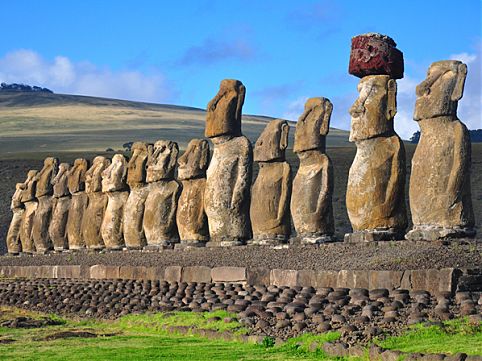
{"x":195,"y":160}
{"x":114,"y":176}
{"x":17,"y":196}
{"x":162,"y":163}
{"x":76,"y":176}
{"x":313,"y":125}
{"x":272,"y":142}
{"x":373,"y":112}
{"x":439,"y":93}
{"x":60,"y":180}
{"x":93,"y":177}
{"x":45,"y":177}
{"x":137,"y":167}
{"x":30,"y":186}
{"x":224,"y":110}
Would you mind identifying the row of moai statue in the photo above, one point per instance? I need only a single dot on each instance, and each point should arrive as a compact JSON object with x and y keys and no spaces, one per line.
{"x":140,"y":204}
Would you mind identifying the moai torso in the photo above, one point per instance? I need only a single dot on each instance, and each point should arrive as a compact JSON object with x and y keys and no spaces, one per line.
{"x":191,"y":218}
{"x":440,"y":195}
{"x":60,"y":208}
{"x":30,"y":203}
{"x":311,"y":199}
{"x":13,"y":234}
{"x":161,"y":204}
{"x":228,"y":183}
{"x":376,"y":182}
{"x":78,"y":203}
{"x":271,"y":192}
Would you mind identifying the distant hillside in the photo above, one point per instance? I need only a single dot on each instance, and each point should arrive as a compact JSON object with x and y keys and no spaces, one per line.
{"x":4,"y":87}
{"x":46,"y":122}
{"x":475,"y":136}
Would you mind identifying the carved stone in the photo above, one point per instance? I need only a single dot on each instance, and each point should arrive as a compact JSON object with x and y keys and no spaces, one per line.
{"x":228,"y":183}
{"x":13,"y":234}
{"x":440,"y":194}
{"x":161,"y":204}
{"x":60,"y":209}
{"x":271,"y":192}
{"x":115,"y":186}
{"x":96,"y":204}
{"x":30,"y":203}
{"x":134,"y":236}
{"x":311,"y":199}
{"x":43,"y":213}
{"x":78,"y":203}
{"x":191,"y":218}
{"x":375,"y":197}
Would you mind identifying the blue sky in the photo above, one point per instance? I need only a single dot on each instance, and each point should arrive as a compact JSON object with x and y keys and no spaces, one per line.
{"x":177,"y":52}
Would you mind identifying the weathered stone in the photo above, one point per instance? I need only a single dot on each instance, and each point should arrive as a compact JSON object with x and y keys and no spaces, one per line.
{"x":137,"y":166}
{"x":375,"y":54}
{"x":45,"y":177}
{"x":104,"y":272}
{"x":173,"y":273}
{"x":385,"y":279}
{"x":132,"y":273}
{"x":311,"y":199}
{"x":13,"y":234}
{"x":191,"y":218}
{"x":258,"y":276}
{"x":271,"y":192}
{"x":68,"y":272}
{"x":76,"y":176}
{"x":114,"y":184}
{"x":376,"y":182}
{"x":440,"y":195}
{"x":134,"y":236}
{"x":283,"y":277}
{"x":228,"y":274}
{"x":26,"y":239}
{"x":29,"y":187}
{"x":41,"y":222}
{"x":78,"y":205}
{"x":196,"y":274}
{"x":326,"y":279}
{"x":159,"y":220}
{"x":93,"y":177}
{"x":60,"y":208}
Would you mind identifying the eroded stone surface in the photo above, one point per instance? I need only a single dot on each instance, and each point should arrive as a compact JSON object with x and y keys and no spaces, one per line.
{"x":30,"y":204}
{"x":76,"y":176}
{"x":78,"y":204}
{"x":45,"y":177}
{"x":440,"y":194}
{"x":17,"y":208}
{"x":60,"y":208}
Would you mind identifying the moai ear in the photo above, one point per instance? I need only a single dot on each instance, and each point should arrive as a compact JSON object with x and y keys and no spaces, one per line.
{"x":391,"y":98}
{"x":285,"y":131}
{"x":174,"y":152}
{"x":203,"y":163}
{"x":460,"y":82}
{"x":325,"y":125}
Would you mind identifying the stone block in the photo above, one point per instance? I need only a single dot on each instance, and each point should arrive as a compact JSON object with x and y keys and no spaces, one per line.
{"x":419,"y":279}
{"x":326,"y":278}
{"x":258,"y":276}
{"x":154,"y":273}
{"x":432,"y":280}
{"x":360,"y":279}
{"x":196,"y":274}
{"x":173,"y":274}
{"x":385,"y":279}
{"x":132,"y":273}
{"x":284,"y":277}
{"x":307,"y":278}
{"x":228,"y":274}
{"x":104,"y":272}
{"x":449,"y":278}
{"x":68,"y":271}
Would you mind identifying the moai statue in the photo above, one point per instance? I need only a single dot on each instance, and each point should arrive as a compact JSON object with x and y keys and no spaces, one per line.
{"x":13,"y":234}
{"x":134,"y":209}
{"x":78,"y":204}
{"x":96,"y":204}
{"x":311,"y":199}
{"x":114,"y":185}
{"x":271,"y":192}
{"x":161,"y":204}
{"x":191,"y":218}
{"x":60,"y":209}
{"x":375,"y":197}
{"x":30,"y":203}
{"x":43,"y":214}
{"x":228,"y":183}
{"x":440,"y":199}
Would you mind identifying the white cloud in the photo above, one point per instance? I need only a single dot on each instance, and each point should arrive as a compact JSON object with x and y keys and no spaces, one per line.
{"x":65,"y":76}
{"x":295,"y":108}
{"x":464,"y":57}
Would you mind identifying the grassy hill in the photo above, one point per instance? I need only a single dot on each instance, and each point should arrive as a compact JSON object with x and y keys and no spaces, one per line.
{"x":43,"y":122}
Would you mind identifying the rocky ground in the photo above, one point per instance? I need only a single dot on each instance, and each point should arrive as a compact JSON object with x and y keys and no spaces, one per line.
{"x":280,"y":312}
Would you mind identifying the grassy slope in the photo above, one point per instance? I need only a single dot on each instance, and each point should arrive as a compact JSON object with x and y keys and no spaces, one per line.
{"x":57,"y":122}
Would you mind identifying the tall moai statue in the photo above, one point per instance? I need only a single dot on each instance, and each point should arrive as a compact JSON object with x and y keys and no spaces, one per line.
{"x":271,"y":191}
{"x":60,"y":209}
{"x":228,"y":183}
{"x":114,"y":185}
{"x":30,"y":203}
{"x":191,"y":218}
{"x":134,"y":209}
{"x":13,"y":235}
{"x":96,"y":204}
{"x":43,"y":213}
{"x":440,"y":197}
{"x":375,"y":197}
{"x":311,"y":200}
{"x":161,"y":204}
{"x":78,"y":203}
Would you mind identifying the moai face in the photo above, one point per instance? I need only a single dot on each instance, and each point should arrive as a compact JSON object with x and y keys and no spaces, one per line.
{"x":114,"y":176}
{"x":439,"y":93}
{"x":17,"y":196}
{"x":93,"y":177}
{"x":313,"y":125}
{"x":76,"y":176}
{"x":373,"y":112}
{"x":162,"y":162}
{"x":272,"y":142}
{"x":45,"y":177}
{"x":195,"y":160}
{"x":137,"y":167}
{"x":30,"y":186}
{"x":224,"y":110}
{"x":60,"y":180}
